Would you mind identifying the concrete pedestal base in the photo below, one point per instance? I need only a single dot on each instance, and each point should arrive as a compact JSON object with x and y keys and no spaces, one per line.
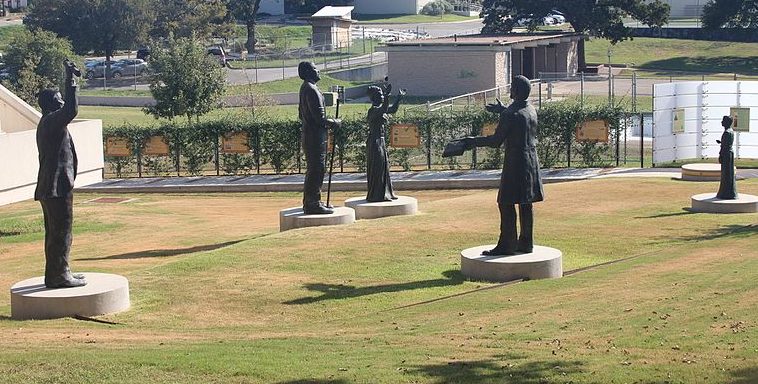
{"x":542,"y":263}
{"x":292,"y":218}
{"x":404,"y":205}
{"x":708,"y":203}
{"x":103,"y":294}
{"x":701,"y":172}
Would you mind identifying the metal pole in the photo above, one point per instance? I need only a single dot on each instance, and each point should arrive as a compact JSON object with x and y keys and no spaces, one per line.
{"x":364,"y":40}
{"x":634,"y":92}
{"x":581,"y":90}
{"x":218,"y":168}
{"x":642,"y":139}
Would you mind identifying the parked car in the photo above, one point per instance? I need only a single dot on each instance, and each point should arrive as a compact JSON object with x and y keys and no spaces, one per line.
{"x":128,"y":67}
{"x":219,"y":53}
{"x":96,"y":68}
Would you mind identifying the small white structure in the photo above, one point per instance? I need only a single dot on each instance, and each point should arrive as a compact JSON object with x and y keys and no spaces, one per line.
{"x":687,"y":119}
{"x":19,"y":160}
{"x":272,"y":7}
{"x":389,"y":7}
{"x":331,"y":27}
{"x":15,"y":4}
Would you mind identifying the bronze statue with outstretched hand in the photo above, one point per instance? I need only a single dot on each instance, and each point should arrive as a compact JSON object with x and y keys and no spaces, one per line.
{"x":55,"y":180}
{"x":377,"y":161}
{"x":520,"y":181}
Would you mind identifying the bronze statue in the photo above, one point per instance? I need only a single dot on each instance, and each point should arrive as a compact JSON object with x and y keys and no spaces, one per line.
{"x":55,"y":180}
{"x":728,"y":184}
{"x":315,"y":136}
{"x":520,"y":181}
{"x":377,"y":161}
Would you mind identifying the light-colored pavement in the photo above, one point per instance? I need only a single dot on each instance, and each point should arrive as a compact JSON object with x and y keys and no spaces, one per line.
{"x":424,"y":180}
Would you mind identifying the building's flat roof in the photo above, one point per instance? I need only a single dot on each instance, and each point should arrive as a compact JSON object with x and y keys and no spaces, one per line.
{"x":483,"y":40}
{"x":334,"y":12}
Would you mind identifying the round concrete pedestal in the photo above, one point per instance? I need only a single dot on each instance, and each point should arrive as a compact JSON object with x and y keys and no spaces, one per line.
{"x":542,"y":263}
{"x":292,"y":218}
{"x":404,"y":205}
{"x":708,"y":203}
{"x":103,"y":294}
{"x":701,"y":172}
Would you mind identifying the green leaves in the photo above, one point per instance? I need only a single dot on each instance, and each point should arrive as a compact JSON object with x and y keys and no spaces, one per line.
{"x":186,"y":81}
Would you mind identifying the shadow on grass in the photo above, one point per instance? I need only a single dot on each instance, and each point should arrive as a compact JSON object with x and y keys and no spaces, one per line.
{"x":165,"y":252}
{"x":731,"y":230}
{"x":745,"y":376}
{"x":341,"y":291}
{"x":491,"y":371}
{"x":725,"y":64}
{"x":685,"y":211}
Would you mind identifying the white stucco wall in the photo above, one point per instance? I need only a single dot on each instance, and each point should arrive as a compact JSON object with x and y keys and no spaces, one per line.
{"x":389,"y":7}
{"x":18,"y":149}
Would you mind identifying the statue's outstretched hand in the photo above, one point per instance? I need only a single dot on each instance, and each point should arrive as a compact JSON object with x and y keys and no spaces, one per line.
{"x":71,"y":69}
{"x":334,"y":123}
{"x":495,"y":107}
{"x":402,"y":92}
{"x":469,"y":142}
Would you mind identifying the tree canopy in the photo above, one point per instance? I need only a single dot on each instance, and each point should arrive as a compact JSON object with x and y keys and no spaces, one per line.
{"x":185,"y":18}
{"x":246,"y":11}
{"x":93,"y":25}
{"x":602,"y":18}
{"x":187,"y":81}
{"x":730,"y":13}
{"x":35,"y":61}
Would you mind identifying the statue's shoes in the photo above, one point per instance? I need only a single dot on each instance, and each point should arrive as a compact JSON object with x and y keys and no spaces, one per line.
{"x":66,"y":283}
{"x":499,"y":252}
{"x":318,"y":210}
{"x":78,"y":275}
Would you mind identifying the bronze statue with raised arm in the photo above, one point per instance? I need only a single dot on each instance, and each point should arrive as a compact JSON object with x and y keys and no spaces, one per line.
{"x":377,"y":160}
{"x":520,"y":181}
{"x":55,"y":180}
{"x":315,"y":136}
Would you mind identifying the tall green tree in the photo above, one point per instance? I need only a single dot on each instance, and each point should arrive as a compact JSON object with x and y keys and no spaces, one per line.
{"x":186,"y":18}
{"x":102,"y":26}
{"x":35,"y":61}
{"x":731,"y":14}
{"x":246,"y":11}
{"x":602,"y":18}
{"x":186,"y":81}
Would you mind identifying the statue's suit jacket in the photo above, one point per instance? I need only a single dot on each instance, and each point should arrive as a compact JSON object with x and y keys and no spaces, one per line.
{"x":57,"y":155}
{"x":313,"y":117}
{"x":520,"y":182}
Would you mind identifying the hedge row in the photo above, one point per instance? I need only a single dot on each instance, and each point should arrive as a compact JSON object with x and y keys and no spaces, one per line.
{"x":275,"y":144}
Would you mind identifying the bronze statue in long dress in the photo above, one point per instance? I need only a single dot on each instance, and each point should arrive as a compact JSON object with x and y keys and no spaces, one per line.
{"x":377,"y":160}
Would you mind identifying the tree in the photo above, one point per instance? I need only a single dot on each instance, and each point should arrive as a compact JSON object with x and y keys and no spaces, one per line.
{"x":246,"y":10}
{"x":602,"y":18}
{"x":186,"y":18}
{"x":103,"y":26}
{"x":731,"y":14}
{"x":35,"y":60}
{"x":187,"y":81}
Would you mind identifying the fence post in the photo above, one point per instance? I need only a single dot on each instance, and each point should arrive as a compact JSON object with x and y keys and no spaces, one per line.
{"x":618,"y":147}
{"x":642,"y":140}
{"x":217,"y":160}
{"x":540,"y":99}
{"x":139,"y":163}
{"x":178,"y":160}
{"x":258,"y":149}
{"x":634,"y":92}
{"x":429,"y":147}
{"x":581,"y":90}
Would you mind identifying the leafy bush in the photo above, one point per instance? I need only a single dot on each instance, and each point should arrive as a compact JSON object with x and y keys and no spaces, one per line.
{"x":437,"y":8}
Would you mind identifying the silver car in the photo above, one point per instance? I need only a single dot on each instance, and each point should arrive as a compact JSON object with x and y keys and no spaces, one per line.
{"x":129,"y":67}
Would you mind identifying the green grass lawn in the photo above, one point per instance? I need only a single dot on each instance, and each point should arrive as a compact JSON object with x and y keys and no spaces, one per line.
{"x":7,"y":33}
{"x":117,"y":116}
{"x":219,"y":295}
{"x":678,"y":55}
{"x":408,"y":19}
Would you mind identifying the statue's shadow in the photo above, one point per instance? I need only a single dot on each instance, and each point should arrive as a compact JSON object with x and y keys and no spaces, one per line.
{"x":342,"y":291}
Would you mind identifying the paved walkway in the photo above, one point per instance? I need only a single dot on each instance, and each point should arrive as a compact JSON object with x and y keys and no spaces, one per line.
{"x":458,"y":179}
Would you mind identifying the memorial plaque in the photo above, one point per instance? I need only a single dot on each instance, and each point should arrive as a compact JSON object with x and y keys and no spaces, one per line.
{"x":117,"y":147}
{"x":330,"y":98}
{"x":156,"y":146}
{"x":593,"y":131}
{"x":405,"y":136}
{"x":235,"y":142}
{"x":741,"y":117}
{"x":489,"y":129}
{"x":678,"y":121}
